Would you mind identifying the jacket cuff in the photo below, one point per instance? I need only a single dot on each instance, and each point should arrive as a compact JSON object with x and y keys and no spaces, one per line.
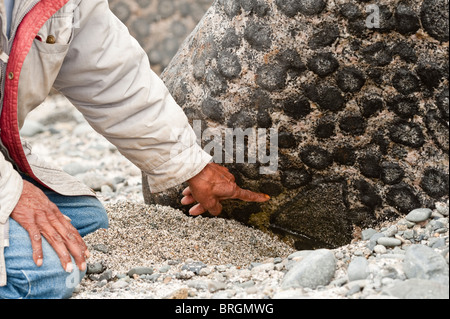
{"x":11,"y":186}
{"x":178,"y":169}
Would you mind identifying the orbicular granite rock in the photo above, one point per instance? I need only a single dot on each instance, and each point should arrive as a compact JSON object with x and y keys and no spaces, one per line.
{"x":353,"y":94}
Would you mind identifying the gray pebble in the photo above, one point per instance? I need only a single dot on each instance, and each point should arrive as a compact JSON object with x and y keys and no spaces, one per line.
{"x":417,"y":289}
{"x":164,"y":269}
{"x":389,"y":241}
{"x":195,"y":267}
{"x":419,"y":215}
{"x":424,"y":263}
{"x":140,"y":271}
{"x":95,"y":268}
{"x":214,"y":286}
{"x":367,"y":233}
{"x":316,"y":269}
{"x":358,"y":269}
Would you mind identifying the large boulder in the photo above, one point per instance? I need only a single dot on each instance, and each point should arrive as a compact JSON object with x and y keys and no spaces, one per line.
{"x":354,"y":96}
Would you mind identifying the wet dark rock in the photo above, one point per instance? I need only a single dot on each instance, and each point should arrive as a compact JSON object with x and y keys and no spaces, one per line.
{"x":307,"y":217}
{"x":435,"y":183}
{"x":323,"y":64}
{"x":407,"y":133}
{"x":434,"y":17}
{"x":316,"y":157}
{"x":350,"y":79}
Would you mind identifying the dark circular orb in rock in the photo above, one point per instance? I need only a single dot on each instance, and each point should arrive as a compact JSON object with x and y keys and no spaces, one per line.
{"x":404,"y":107}
{"x":391,"y":173}
{"x":271,"y":77}
{"x":316,"y":157}
{"x":407,"y":133}
{"x":350,"y":79}
{"x":405,"y":81}
{"x":344,"y":155}
{"x":323,"y":64}
{"x":407,"y":20}
{"x":435,"y":183}
{"x":402,"y":197}
{"x":354,"y":125}
{"x":434,"y":17}
{"x":306,"y":7}
{"x":371,"y":105}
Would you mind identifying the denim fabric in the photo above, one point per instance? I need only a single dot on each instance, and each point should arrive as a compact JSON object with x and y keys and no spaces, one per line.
{"x":50,"y":281}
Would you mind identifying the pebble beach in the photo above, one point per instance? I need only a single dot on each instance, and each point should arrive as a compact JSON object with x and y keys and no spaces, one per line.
{"x":157,"y":252}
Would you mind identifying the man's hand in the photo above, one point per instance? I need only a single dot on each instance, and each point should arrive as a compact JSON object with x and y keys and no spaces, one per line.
{"x":39,"y":216}
{"x":213,"y":185}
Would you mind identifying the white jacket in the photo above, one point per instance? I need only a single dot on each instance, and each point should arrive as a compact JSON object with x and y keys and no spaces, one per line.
{"x":104,"y":72}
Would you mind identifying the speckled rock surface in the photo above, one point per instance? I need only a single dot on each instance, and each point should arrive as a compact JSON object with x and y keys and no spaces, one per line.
{"x":160,"y":26}
{"x":361,"y":111}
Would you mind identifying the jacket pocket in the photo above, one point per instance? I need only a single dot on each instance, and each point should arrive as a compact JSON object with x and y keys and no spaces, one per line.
{"x":58,"y":30}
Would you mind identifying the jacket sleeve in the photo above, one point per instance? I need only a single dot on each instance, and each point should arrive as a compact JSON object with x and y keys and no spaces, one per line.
{"x":107,"y":76}
{"x":11,"y":184}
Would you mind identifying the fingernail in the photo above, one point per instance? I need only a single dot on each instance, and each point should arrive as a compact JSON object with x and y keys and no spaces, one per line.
{"x":267,"y":196}
{"x":87,"y":254}
{"x":83,"y":266}
{"x":69,"y":267}
{"x":39,"y":262}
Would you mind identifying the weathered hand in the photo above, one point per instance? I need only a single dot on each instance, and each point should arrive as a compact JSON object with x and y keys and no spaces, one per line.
{"x":213,"y":185}
{"x":39,"y":216}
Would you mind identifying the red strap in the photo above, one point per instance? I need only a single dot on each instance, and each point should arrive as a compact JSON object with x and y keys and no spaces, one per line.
{"x":26,"y":33}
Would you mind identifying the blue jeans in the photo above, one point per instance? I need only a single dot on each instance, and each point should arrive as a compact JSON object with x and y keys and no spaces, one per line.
{"x":50,"y":281}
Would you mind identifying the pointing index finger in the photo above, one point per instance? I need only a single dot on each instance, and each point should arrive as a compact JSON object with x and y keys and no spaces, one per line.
{"x":249,"y":196}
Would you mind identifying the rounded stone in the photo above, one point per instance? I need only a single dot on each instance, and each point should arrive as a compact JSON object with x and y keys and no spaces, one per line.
{"x":430,"y":75}
{"x":419,"y":215}
{"x":402,"y":198}
{"x":316,"y":157}
{"x":407,"y":133}
{"x":350,"y":79}
{"x":405,"y":82}
{"x":330,"y":99}
{"x":407,"y":20}
{"x":358,"y":269}
{"x":323,"y":64}
{"x":389,"y":241}
{"x":350,"y":11}
{"x":435,"y":183}
{"x":434,"y":17}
